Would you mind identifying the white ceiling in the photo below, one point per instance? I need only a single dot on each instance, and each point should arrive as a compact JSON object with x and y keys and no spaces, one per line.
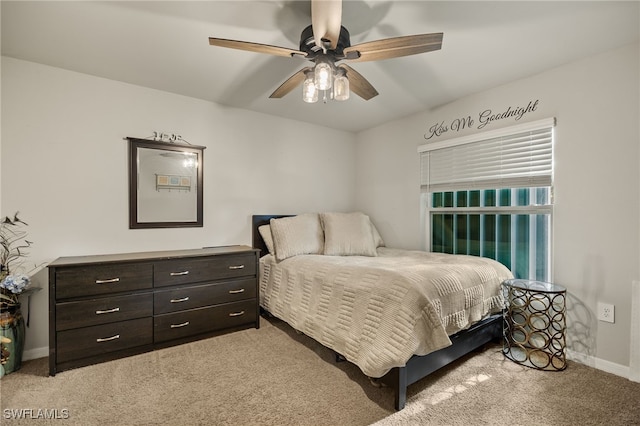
{"x":164,"y":45}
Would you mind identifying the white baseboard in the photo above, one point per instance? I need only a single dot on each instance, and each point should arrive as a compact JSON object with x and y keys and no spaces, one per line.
{"x":35,"y":353}
{"x":600,"y":364}
{"x":612,"y":367}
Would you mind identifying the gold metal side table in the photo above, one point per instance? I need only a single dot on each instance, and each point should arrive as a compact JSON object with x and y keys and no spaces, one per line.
{"x":535,"y":324}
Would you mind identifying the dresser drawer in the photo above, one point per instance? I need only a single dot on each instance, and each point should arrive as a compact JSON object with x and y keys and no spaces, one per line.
{"x":102,"y":279}
{"x":202,"y":320}
{"x":103,"y":310}
{"x":178,"y":299}
{"x":99,"y":339}
{"x":104,"y":307}
{"x":184,"y":271}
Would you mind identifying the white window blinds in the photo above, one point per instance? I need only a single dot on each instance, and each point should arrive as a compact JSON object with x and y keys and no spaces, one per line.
{"x":518,"y":156}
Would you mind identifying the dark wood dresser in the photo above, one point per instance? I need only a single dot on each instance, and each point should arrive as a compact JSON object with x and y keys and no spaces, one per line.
{"x":105,"y":307}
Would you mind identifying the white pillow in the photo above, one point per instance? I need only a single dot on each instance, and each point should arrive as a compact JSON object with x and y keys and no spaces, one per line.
{"x":377,"y":239}
{"x":296,"y":235}
{"x":265,"y":232}
{"x":348,"y":234}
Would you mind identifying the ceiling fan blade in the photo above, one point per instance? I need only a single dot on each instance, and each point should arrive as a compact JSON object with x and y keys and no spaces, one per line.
{"x":291,"y":83}
{"x":255,"y":47}
{"x":394,"y":47}
{"x":358,"y":84}
{"x":326,"y":20}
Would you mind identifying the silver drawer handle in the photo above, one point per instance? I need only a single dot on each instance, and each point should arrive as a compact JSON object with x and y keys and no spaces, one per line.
{"x":184,"y":324}
{"x":236,"y":291}
{"x":107,"y":339}
{"x":110,"y":280}
{"x":108,"y":311}
{"x":236,"y":267}
{"x":177,"y":274}
{"x":184,"y":299}
{"x":236,"y":314}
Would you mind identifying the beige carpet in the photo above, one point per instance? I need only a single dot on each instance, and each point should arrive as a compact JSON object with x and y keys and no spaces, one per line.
{"x":273,"y":376}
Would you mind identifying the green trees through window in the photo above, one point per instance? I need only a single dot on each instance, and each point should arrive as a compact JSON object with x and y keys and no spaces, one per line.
{"x":512,"y":226}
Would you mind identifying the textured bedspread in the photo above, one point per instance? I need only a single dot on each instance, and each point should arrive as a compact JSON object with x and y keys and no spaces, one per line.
{"x":379,"y":311}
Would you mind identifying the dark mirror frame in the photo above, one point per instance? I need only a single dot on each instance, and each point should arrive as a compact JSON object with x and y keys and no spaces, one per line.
{"x":134,"y":145}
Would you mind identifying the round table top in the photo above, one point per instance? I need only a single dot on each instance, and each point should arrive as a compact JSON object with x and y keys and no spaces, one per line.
{"x":534,"y":285}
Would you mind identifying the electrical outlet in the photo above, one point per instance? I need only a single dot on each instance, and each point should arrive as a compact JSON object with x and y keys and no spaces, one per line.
{"x":606,"y":312}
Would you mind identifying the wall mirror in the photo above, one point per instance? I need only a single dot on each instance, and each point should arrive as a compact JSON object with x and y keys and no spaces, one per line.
{"x":165,"y":184}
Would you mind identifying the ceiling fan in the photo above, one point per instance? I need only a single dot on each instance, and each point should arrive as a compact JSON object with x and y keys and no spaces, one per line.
{"x":326,"y":42}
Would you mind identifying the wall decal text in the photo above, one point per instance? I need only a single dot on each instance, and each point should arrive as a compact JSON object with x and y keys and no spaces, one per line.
{"x":484,"y":118}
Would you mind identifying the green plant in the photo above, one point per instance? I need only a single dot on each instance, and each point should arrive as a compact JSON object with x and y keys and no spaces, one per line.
{"x":13,"y":250}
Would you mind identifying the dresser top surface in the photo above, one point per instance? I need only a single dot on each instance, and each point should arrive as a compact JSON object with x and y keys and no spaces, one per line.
{"x":150,"y":255}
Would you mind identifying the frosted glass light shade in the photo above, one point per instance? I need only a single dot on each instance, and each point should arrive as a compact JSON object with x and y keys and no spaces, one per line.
{"x":323,"y":76}
{"x":309,"y":90}
{"x":341,"y":88}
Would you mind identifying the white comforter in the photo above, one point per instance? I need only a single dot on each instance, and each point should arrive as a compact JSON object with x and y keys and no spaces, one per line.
{"x":379,"y":311}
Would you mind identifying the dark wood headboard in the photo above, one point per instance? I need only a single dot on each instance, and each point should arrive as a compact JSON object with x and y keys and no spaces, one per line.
{"x":256,"y":238}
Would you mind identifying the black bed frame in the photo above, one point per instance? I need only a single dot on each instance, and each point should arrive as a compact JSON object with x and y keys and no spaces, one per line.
{"x":418,"y":367}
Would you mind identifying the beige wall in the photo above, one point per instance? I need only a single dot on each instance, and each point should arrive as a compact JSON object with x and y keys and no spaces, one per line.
{"x":64,"y":167}
{"x":596,"y":182}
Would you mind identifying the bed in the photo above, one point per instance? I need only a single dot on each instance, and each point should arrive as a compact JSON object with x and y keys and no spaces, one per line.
{"x":399,"y":315}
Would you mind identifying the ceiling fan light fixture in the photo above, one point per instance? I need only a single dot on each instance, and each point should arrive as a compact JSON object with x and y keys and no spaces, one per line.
{"x":326,"y":42}
{"x":323,"y":75}
{"x":341,"y":86}
{"x":309,"y":90}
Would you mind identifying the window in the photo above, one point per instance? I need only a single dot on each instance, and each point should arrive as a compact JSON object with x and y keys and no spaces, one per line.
{"x":490,"y":195}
